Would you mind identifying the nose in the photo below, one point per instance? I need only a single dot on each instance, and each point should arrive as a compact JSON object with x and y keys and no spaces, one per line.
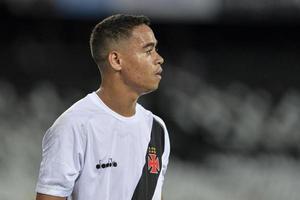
{"x":160,"y":60}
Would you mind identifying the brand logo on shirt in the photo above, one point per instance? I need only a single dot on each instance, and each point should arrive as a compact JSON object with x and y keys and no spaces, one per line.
{"x":153,"y":162}
{"x":104,"y":164}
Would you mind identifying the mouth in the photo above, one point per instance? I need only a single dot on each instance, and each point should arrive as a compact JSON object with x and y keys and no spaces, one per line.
{"x":159,"y":72}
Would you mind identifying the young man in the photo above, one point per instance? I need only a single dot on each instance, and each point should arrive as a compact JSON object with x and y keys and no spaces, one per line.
{"x":107,"y":146}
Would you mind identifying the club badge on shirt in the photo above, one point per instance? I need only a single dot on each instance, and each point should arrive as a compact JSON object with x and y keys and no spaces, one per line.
{"x":153,"y":161}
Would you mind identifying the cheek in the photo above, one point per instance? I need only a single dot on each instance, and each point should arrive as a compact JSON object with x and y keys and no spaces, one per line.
{"x":135,"y":74}
{"x":141,"y":67}
{"x":139,"y":70}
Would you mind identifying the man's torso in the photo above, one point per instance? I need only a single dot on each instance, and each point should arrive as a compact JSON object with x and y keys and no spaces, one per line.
{"x":115,"y":157}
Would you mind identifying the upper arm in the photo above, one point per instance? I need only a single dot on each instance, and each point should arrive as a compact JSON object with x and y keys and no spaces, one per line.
{"x":40,"y":196}
{"x":62,"y":159}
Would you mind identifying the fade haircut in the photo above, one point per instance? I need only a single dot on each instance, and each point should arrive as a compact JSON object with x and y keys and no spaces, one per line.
{"x":112,"y":29}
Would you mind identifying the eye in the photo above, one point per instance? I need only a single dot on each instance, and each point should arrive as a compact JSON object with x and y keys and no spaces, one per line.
{"x":149,"y":51}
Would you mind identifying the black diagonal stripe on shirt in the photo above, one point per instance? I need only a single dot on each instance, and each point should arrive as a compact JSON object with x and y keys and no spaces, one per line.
{"x":148,"y":181}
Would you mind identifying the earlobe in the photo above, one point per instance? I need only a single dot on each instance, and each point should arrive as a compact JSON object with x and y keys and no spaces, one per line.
{"x":114,"y":60}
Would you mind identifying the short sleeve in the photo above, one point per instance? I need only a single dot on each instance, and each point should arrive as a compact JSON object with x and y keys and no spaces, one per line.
{"x":62,"y":158}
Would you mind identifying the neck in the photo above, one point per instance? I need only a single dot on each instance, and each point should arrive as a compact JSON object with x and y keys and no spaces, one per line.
{"x":118,"y":98}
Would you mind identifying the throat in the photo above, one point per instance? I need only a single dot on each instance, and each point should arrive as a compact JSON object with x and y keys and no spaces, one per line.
{"x":122,"y":104}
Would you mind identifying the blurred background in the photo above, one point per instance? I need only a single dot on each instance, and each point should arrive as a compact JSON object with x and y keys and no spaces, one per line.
{"x":230,"y":93}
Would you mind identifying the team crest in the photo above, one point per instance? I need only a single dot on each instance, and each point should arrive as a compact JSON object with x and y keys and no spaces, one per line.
{"x":153,"y":161}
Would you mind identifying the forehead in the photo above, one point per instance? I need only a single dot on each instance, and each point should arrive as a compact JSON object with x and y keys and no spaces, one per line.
{"x":142,"y":35}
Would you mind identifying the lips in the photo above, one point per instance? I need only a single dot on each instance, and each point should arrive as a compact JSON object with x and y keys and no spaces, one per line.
{"x":159,"y":72}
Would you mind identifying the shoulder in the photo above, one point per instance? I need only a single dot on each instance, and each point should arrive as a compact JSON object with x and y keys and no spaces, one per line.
{"x":80,"y":112}
{"x":75,"y":114}
{"x":158,"y":123}
{"x":72,"y":122}
{"x":159,"y":120}
{"x":149,"y":114}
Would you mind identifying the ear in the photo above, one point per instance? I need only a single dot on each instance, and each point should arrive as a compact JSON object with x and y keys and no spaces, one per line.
{"x":114,"y":60}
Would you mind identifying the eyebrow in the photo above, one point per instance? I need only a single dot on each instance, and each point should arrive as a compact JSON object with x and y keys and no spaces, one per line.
{"x":150,"y":44}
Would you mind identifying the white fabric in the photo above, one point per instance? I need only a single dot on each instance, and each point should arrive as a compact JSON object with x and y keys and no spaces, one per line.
{"x":90,"y":133}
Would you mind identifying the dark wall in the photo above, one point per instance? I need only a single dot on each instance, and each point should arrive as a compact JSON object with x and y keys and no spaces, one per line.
{"x":260,"y":56}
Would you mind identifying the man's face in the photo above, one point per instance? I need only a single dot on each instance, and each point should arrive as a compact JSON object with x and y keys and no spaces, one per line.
{"x":141,"y":64}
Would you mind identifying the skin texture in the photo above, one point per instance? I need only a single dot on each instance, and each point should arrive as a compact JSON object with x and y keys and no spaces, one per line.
{"x":48,"y":197}
{"x":134,"y":69}
{"x":140,"y":61}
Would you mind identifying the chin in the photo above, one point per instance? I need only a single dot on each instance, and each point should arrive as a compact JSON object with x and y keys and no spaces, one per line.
{"x":150,"y":89}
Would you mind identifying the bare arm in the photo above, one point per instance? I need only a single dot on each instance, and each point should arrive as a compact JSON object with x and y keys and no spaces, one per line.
{"x":48,"y":197}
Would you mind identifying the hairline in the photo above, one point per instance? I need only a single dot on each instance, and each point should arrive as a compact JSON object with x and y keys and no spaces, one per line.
{"x":110,"y":41}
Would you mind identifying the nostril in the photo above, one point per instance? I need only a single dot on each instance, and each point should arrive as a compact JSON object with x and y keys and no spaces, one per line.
{"x":161,"y":61}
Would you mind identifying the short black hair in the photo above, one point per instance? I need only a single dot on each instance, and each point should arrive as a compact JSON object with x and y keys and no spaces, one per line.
{"x":111,"y":29}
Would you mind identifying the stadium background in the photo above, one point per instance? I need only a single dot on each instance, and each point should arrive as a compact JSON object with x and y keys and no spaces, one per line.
{"x":229,"y":94}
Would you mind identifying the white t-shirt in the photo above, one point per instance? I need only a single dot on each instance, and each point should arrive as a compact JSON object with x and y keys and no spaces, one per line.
{"x":92,"y":152}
